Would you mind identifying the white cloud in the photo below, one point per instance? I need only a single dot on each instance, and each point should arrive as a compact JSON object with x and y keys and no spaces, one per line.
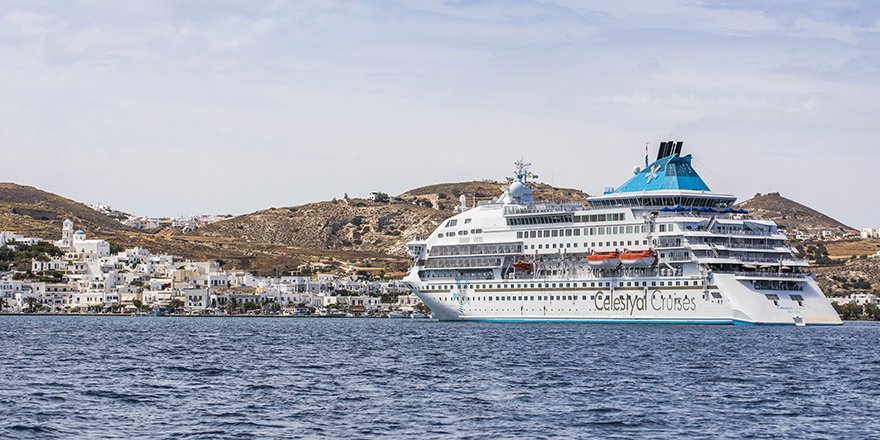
{"x":234,"y":106}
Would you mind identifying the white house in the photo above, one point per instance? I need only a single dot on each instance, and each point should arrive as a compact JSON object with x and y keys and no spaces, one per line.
{"x":8,"y":237}
{"x":857,"y":298}
{"x":56,"y":264}
{"x":871,"y":233}
{"x":196,"y":299}
{"x":803,"y":236}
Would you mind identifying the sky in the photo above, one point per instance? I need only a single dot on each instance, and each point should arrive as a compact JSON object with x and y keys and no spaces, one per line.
{"x":215,"y":106}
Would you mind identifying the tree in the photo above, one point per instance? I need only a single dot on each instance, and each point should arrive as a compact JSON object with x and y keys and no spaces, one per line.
{"x":115,"y":248}
{"x":31,"y":304}
{"x":2,"y":304}
{"x":872,"y":311}
{"x":849,"y":311}
{"x":175,"y":304}
{"x":231,"y":306}
{"x":138,"y":304}
{"x":248,"y":306}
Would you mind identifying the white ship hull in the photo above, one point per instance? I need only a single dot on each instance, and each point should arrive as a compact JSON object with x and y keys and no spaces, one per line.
{"x":727,"y":300}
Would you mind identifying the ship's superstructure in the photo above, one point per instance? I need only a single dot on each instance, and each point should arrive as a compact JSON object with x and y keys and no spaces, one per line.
{"x":661,"y":248}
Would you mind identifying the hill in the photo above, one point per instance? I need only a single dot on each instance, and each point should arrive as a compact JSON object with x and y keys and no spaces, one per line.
{"x":444,"y":196}
{"x":792,"y":215}
{"x":351,"y":225}
{"x":35,"y":212}
{"x":366,"y":226}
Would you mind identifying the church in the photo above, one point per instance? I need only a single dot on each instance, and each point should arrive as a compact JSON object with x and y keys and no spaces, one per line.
{"x":76,"y":242}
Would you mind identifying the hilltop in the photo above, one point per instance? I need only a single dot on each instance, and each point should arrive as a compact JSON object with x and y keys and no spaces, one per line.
{"x":792,"y":215}
{"x":444,"y":196}
{"x":35,"y":212}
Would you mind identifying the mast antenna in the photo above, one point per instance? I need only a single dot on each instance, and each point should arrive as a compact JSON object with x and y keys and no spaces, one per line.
{"x":522,"y":172}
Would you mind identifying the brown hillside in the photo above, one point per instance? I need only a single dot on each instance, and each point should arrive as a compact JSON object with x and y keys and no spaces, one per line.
{"x":792,"y":215}
{"x":31,"y":211}
{"x":350,"y":225}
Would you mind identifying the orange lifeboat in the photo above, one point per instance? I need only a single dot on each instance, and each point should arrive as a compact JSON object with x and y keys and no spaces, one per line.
{"x":638,"y":258}
{"x":605,"y":260}
{"x":522,"y":265}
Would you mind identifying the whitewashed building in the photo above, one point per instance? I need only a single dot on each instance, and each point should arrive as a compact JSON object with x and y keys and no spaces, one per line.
{"x":10,"y":237}
{"x":77,"y":242}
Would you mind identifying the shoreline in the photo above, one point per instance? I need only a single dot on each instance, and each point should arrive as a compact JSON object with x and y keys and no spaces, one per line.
{"x":104,"y":315}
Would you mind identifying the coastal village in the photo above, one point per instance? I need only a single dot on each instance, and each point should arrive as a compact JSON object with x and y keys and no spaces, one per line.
{"x":80,"y":275}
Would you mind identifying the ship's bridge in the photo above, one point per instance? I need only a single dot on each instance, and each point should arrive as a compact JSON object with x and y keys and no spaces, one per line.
{"x":670,"y":181}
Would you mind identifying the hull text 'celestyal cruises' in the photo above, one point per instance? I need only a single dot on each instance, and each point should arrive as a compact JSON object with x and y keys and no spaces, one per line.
{"x":661,"y":248}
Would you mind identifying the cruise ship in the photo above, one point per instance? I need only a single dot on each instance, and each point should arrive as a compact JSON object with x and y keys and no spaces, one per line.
{"x":661,"y":248}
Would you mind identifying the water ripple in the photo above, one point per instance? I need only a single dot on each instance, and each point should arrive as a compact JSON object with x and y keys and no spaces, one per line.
{"x":102,"y":377}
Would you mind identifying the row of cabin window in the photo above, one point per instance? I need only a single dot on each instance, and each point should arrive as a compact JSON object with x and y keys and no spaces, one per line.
{"x":520,"y":221}
{"x":594,"y":218}
{"x":551,"y":298}
{"x":588,"y":245}
{"x":549,"y":233}
{"x":614,"y":230}
{"x":525,"y":298}
{"x":598,"y":230}
{"x":573,"y":285}
{"x":628,"y":229}
{"x":462,"y":232}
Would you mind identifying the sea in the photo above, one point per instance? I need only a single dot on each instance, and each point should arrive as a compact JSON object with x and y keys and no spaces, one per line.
{"x":192,"y":378}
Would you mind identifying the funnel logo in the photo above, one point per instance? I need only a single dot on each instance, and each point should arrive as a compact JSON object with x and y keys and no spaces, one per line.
{"x":652,"y":174}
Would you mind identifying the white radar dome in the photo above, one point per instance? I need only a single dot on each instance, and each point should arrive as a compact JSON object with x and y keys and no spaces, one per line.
{"x":517,"y":189}
{"x":637,"y":170}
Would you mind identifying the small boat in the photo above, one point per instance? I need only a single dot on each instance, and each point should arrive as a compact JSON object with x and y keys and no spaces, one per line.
{"x":418,"y":315}
{"x":604,"y":260}
{"x":397,"y":315}
{"x":522,"y":265}
{"x":638,"y":258}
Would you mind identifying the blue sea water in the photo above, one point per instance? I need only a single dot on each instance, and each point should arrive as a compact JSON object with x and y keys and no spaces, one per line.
{"x":122,"y":377}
